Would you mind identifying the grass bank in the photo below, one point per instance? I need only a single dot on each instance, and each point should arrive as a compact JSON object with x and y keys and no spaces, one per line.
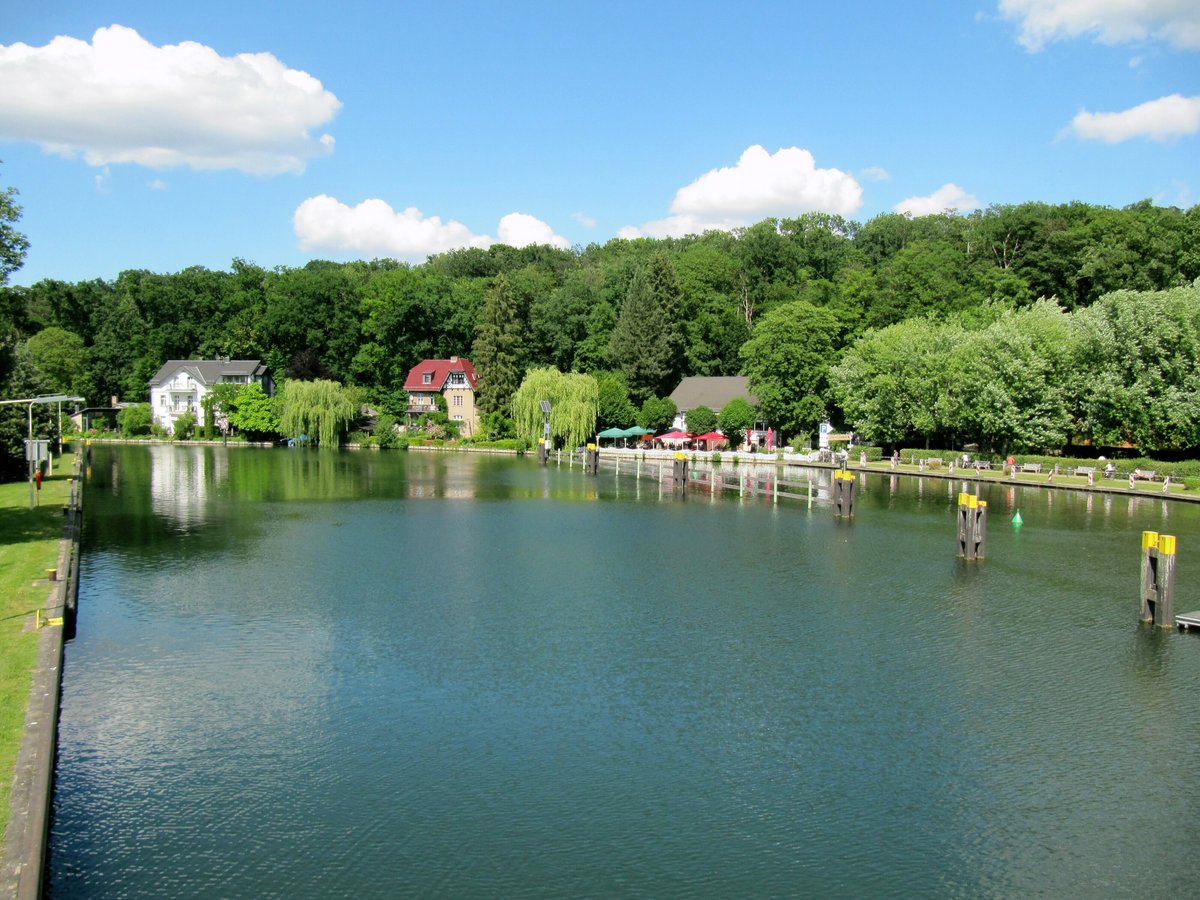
{"x":28,"y":547}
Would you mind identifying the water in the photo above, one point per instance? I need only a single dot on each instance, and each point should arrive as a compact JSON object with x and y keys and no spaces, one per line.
{"x":304,"y":674}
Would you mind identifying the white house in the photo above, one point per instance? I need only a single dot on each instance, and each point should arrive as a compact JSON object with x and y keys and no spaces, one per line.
{"x":181,"y":384}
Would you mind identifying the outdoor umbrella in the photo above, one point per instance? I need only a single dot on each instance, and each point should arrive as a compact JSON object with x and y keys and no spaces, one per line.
{"x":711,"y":437}
{"x":674,"y":437}
{"x":613,"y":433}
{"x":637,"y":431}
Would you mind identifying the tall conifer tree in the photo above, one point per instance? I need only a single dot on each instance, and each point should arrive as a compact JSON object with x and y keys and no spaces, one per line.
{"x":497,"y":351}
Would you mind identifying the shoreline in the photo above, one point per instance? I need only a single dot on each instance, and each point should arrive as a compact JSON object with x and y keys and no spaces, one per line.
{"x":31,"y":800}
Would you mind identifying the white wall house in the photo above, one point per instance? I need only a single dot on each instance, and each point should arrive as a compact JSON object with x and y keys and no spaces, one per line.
{"x":181,"y":384}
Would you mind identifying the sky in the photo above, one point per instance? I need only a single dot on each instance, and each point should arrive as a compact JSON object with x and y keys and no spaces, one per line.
{"x":160,"y":136}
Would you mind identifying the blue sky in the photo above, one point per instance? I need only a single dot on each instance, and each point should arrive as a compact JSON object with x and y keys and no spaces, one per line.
{"x":159,"y":136}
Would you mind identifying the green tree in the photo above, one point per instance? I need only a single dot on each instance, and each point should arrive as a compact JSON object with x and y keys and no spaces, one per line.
{"x":892,"y":383}
{"x":647,"y":342}
{"x":787,"y":360}
{"x":735,"y":419}
{"x":135,"y":420}
{"x":1008,"y":383}
{"x":1138,"y":369}
{"x":657,"y":413}
{"x":61,"y":356}
{"x":574,"y":401}
{"x":615,"y":409}
{"x":253,"y":412}
{"x":13,"y":244}
{"x":497,"y":351}
{"x":700,"y":420}
{"x":321,"y":409}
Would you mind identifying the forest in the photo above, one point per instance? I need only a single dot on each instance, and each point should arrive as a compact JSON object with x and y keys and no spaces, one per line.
{"x":1030,"y":326}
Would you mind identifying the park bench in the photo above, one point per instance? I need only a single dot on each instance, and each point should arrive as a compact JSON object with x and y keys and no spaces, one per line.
{"x":1033,"y":468}
{"x":1085,"y":471}
{"x":981,"y":464}
{"x":934,"y":462}
{"x":1143,"y":475}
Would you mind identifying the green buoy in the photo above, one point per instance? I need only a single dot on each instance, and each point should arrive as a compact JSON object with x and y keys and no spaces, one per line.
{"x":1016,"y":520}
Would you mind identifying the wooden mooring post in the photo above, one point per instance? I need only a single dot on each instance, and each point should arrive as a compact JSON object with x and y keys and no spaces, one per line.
{"x":972,"y":526}
{"x":843,"y":493}
{"x":1158,"y":579}
{"x":591,"y":460}
{"x":680,"y":473}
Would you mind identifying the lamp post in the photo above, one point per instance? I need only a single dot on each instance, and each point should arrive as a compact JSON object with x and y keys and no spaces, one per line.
{"x":544,"y":447}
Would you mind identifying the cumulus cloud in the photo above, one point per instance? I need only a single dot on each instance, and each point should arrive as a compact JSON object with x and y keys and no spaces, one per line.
{"x":760,"y":185}
{"x":120,"y":99}
{"x":1111,"y":21}
{"x":948,"y":196}
{"x":875,"y":173}
{"x":520,"y":230}
{"x":373,"y":228}
{"x":1159,"y":120}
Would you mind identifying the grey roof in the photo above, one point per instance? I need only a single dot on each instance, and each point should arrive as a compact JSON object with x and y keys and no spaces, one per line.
{"x":209,"y":371}
{"x":712,"y":391}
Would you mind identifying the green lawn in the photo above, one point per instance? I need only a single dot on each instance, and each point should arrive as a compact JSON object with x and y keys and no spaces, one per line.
{"x":28,"y":547}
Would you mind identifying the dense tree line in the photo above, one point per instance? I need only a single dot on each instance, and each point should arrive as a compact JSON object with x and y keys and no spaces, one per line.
{"x":999,"y":325}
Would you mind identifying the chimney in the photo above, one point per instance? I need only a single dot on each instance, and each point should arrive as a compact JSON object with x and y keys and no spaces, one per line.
{"x":112,"y":401}
{"x":454,"y":359}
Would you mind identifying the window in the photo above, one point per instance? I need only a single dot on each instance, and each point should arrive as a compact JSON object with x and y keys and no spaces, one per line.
{"x":458,"y":378}
{"x":427,"y":378}
{"x":458,"y":399}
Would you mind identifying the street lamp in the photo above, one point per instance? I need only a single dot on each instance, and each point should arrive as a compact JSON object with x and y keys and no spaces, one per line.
{"x":544,"y":450}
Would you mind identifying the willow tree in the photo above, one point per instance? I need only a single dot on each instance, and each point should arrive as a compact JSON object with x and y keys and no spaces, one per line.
{"x":321,"y":409}
{"x":574,"y":405}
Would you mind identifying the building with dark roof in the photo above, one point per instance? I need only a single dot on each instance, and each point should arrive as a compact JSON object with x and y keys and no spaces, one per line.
{"x":181,"y":384}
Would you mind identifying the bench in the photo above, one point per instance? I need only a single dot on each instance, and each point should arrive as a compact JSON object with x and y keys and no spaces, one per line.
{"x":934,"y":462}
{"x":1143,"y":475}
{"x":1085,"y":471}
{"x":981,"y":464}
{"x":1033,"y":468}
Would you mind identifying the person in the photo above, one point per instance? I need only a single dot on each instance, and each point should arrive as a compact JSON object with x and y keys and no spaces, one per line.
{"x":966,"y":460}
{"x":1110,"y":470}
{"x":895,"y":458}
{"x":1010,"y":462}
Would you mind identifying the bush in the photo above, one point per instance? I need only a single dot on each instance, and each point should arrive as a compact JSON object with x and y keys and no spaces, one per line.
{"x":135,"y":421}
{"x":185,"y":424}
{"x":716,"y":458}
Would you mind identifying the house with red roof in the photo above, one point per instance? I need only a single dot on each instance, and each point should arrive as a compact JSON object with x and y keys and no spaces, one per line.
{"x":454,"y":379}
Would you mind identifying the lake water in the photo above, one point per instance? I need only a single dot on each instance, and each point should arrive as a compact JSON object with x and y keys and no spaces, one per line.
{"x":312,"y":674}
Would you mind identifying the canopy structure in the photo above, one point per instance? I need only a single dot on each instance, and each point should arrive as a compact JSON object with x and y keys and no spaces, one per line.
{"x":613,"y":433}
{"x":637,"y":431}
{"x":712,"y":437}
{"x":675,"y":437}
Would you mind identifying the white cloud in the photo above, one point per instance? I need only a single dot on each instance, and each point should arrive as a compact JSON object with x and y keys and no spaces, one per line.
{"x":101,"y":180}
{"x":584,"y":219}
{"x":948,"y":196}
{"x":1111,"y":21}
{"x":373,"y":228}
{"x":520,"y":230}
{"x":156,"y":184}
{"x":875,"y":173}
{"x":1158,"y":120}
{"x":761,"y":185}
{"x":121,"y":99}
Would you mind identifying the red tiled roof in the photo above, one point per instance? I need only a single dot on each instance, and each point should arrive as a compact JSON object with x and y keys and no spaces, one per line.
{"x":439,"y":370}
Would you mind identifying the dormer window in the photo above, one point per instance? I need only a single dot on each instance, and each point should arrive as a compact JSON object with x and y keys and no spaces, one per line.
{"x":458,"y":378}
{"x":426,"y":378}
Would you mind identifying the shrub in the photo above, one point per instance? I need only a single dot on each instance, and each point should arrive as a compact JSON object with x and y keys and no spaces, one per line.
{"x":185,"y":424}
{"x":134,"y":420}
